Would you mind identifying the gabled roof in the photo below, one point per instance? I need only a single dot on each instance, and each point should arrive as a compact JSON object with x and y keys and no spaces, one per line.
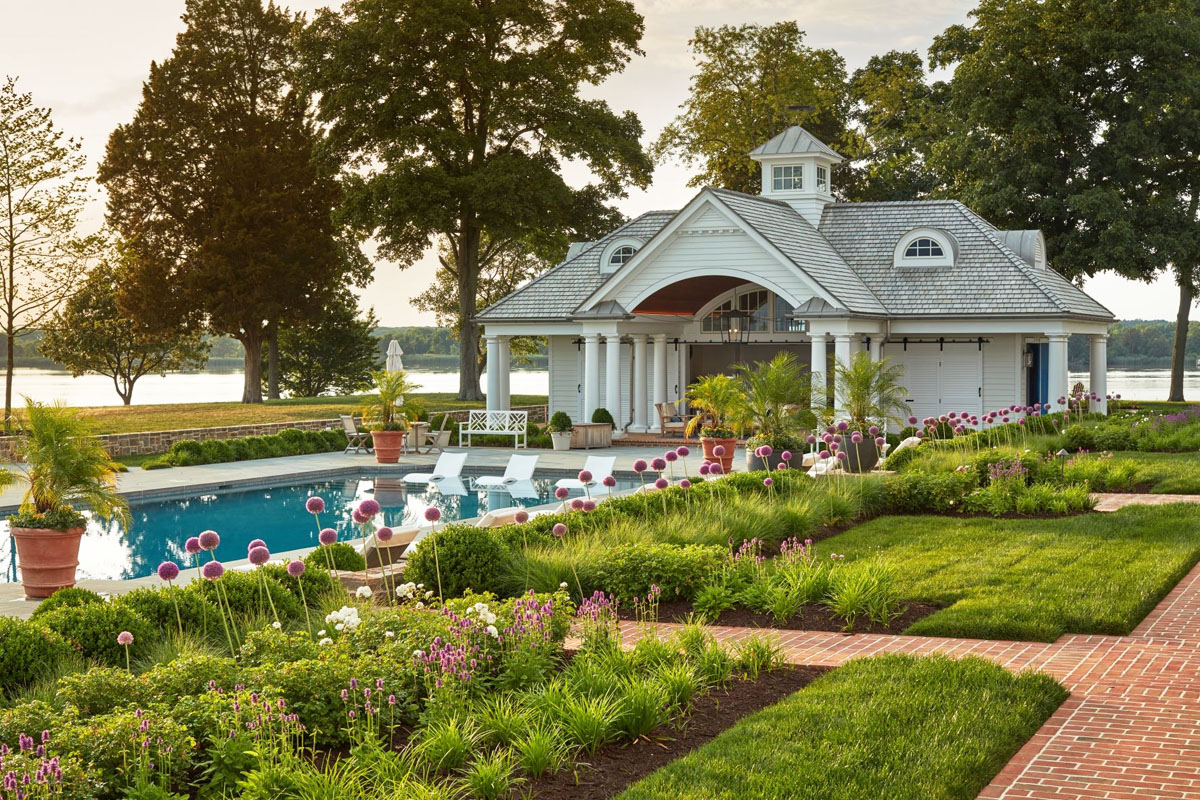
{"x":795,"y":140}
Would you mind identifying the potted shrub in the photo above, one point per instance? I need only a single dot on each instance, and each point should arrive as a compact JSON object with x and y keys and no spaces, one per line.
{"x":873,"y":396}
{"x":385,"y":415}
{"x":65,"y":465}
{"x":777,"y":399}
{"x":721,"y":402}
{"x":560,"y":430}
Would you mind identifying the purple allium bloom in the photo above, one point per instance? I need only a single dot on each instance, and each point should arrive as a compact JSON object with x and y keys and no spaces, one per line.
{"x":589,"y":505}
{"x":259,"y":556}
{"x":670,"y":456}
{"x":314,"y":505}
{"x":843,"y":425}
{"x":521,"y":517}
{"x":661,"y":483}
{"x":880,"y":441}
{"x":856,"y":437}
{"x":912,"y":420}
{"x":837,"y":437}
{"x":767,"y":450}
{"x":433,"y":514}
{"x":639,"y":466}
{"x":327,"y":536}
{"x":254,"y":544}
{"x":212,"y":570}
{"x":609,"y":481}
{"x":358,"y":516}
{"x":786,"y":455}
{"x":559,"y":530}
{"x":658,"y":464}
{"x":585,"y":476}
{"x":125,"y":638}
{"x":369,"y":507}
{"x":716,"y":469}
{"x":296,"y":568}
{"x":705,"y":468}
{"x":873,"y":430}
{"x":682,"y":451}
{"x":384,"y":534}
{"x":768,"y":482}
{"x":824,"y":454}
{"x":960,"y":429}
{"x":577,"y":504}
{"x":168,"y":570}
{"x":561,"y":493}
{"x":781,"y":465}
{"x":719,"y":451}
{"x":192,"y":545}
{"x":758,"y":452}
{"x":209,"y":540}
{"x":952,"y":415}
{"x":685,"y":484}
{"x":811,"y":439}
{"x":842,"y":456}
{"x":827,"y":438}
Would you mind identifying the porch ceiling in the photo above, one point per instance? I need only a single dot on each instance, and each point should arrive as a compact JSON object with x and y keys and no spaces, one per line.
{"x":686,"y":298}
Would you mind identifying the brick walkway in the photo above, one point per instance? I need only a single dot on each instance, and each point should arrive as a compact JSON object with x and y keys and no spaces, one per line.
{"x":1130,"y":729}
{"x":1113,"y":501}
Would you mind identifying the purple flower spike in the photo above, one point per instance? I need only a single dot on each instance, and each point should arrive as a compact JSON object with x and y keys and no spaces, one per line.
{"x":260,"y":556}
{"x":433,"y":514}
{"x":639,"y":466}
{"x":585,"y":476}
{"x":609,"y":481}
{"x":212,"y":570}
{"x":521,"y":517}
{"x":719,"y":451}
{"x":192,"y":545}
{"x":254,"y":544}
{"x":577,"y":504}
{"x":210,"y":540}
{"x":670,"y":456}
{"x":661,"y":483}
{"x":168,"y":570}
{"x":768,"y":482}
{"x":716,"y":469}
{"x":786,"y":455}
{"x":296,"y":568}
{"x":767,"y":451}
{"x":369,"y":507}
{"x":705,"y":468}
{"x":682,"y":451}
{"x":685,"y":484}
{"x":658,"y":464}
{"x":561,"y":493}
{"x":314,"y":505}
{"x":559,"y":530}
{"x":125,"y":638}
{"x":384,"y":534}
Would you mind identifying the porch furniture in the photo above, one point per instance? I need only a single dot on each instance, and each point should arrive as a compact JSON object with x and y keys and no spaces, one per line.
{"x":519,"y":471}
{"x":585,"y":435}
{"x":600,"y":467}
{"x":437,"y":440}
{"x":416,"y":436}
{"x":449,"y":466}
{"x":498,"y":517}
{"x":671,"y":419}
{"x":356,"y":440}
{"x":380,"y":554}
{"x":496,"y":423}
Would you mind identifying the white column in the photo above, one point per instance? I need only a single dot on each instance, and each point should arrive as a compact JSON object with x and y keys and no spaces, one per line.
{"x":660,"y":372}
{"x":1057,"y":378}
{"x":638,"y":368}
{"x":876,"y":348}
{"x":612,"y":377}
{"x":841,"y":353}
{"x":1098,"y":363}
{"x":493,"y":372}
{"x":820,"y":362}
{"x":591,"y":376}
{"x":504,"y":354}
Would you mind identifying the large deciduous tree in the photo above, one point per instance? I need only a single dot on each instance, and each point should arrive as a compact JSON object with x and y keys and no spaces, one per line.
{"x":90,"y":335}
{"x":752,"y":82}
{"x":335,"y":352}
{"x":453,"y":118}
{"x":42,"y":193}
{"x":215,"y":186}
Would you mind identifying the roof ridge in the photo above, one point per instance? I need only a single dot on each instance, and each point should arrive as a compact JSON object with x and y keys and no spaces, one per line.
{"x":747,"y":195}
{"x":988,"y":230}
{"x":861,"y":203}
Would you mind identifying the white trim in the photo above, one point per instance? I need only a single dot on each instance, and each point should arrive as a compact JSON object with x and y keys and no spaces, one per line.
{"x":944,"y":239}
{"x":606,"y":267}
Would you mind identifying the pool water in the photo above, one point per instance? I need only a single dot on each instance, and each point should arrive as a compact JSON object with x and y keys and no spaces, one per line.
{"x":274,"y":514}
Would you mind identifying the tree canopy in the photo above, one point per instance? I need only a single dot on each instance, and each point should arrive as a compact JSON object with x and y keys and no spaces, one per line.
{"x":334,"y":353}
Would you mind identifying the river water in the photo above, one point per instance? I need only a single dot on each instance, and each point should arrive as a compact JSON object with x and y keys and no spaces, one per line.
{"x":48,"y":385}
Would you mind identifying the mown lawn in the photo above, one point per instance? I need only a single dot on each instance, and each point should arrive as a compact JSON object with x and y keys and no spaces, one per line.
{"x":1032,"y":579}
{"x":131,"y":419}
{"x":894,"y":727}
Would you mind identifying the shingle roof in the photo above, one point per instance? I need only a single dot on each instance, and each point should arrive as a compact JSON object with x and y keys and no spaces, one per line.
{"x":556,"y":293}
{"x":794,"y":140}
{"x":987,"y":277}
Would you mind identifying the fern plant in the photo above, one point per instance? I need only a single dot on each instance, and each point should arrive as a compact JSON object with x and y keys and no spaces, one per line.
{"x":386,"y":410}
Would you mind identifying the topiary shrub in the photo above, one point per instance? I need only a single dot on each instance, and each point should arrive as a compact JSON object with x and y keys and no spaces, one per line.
{"x":344,"y":557}
{"x":241,"y":451}
{"x":216,"y":451}
{"x":629,"y":571}
{"x":70,"y":597}
{"x":294,"y":441}
{"x":101,"y":689}
{"x":468,"y":558}
{"x":243,"y":591}
{"x":157,"y":604}
{"x":560,"y":422}
{"x":334,"y":440}
{"x":93,"y":629}
{"x":258,"y":447}
{"x":28,"y":651}
{"x":603,"y":415}
{"x":186,"y":453}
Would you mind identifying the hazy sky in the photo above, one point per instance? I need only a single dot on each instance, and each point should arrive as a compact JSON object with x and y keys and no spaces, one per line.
{"x":86,"y":60}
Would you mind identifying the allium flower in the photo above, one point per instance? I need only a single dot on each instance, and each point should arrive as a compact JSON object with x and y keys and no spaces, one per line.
{"x":589,"y":505}
{"x":786,"y":455}
{"x":585,"y":476}
{"x":609,"y":481}
{"x":685,"y":484}
{"x":559,"y":530}
{"x":314,"y":505}
{"x":639,"y":466}
{"x":359,"y":517}
{"x":705,"y":468}
{"x":577,"y":504}
{"x":767,"y":451}
{"x":682,"y":451}
{"x":811,"y":439}
{"x":210,"y":540}
{"x":125,"y":638}
{"x":192,"y":545}
{"x":212,"y":570}
{"x":661,"y":483}
{"x":561,"y":493}
{"x":369,"y":507}
{"x":327,"y":536}
{"x":768,"y":482}
{"x":296,"y":568}
{"x":670,"y":456}
{"x":168,"y":570}
{"x":384,"y":534}
{"x":658,"y":464}
{"x":433,"y":514}
{"x":873,"y":430}
{"x":912,"y":420}
{"x":521,"y":517}
{"x":824,"y":454}
{"x":364,"y":592}
{"x":781,"y":465}
{"x":259,"y":556}
{"x":716,"y":469}
{"x":843,"y":426}
{"x":856,"y":437}
{"x":880,"y":441}
{"x":719,"y":451}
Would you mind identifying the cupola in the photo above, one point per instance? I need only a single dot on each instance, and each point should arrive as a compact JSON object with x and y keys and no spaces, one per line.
{"x":797,"y":168}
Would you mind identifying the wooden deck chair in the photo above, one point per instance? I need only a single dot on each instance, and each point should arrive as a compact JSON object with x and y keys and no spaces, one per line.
{"x":356,"y":440}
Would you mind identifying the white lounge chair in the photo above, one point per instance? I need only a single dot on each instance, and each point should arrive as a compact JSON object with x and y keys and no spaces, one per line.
{"x":392,"y":551}
{"x":449,"y":465}
{"x":498,"y":517}
{"x":600,"y":467}
{"x":519,"y":471}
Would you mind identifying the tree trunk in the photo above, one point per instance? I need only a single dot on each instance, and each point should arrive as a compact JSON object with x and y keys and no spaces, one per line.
{"x":252,"y":343}
{"x":468,"y":331}
{"x":8,"y":381}
{"x":1179,"y":348}
{"x":273,"y":364}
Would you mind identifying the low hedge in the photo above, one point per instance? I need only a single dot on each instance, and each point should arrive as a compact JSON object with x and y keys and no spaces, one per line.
{"x":288,"y":442}
{"x":29,"y":650}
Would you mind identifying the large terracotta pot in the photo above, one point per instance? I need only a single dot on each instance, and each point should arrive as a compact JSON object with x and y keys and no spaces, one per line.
{"x":709,"y":444}
{"x":388,"y":445}
{"x":47,"y":558}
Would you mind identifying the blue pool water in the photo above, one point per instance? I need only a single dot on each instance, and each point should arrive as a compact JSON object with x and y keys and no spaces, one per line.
{"x":274,"y":514}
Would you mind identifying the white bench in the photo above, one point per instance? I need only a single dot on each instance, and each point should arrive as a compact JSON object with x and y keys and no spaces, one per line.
{"x":495,"y":423}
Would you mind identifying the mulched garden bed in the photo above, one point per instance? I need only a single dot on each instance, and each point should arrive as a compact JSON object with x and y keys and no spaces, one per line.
{"x":810,"y":618}
{"x":614,"y":767}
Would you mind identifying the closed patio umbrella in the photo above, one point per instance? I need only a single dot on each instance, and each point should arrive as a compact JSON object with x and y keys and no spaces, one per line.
{"x":395,"y":357}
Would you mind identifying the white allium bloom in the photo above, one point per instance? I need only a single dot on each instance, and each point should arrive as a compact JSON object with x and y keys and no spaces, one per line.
{"x":429,"y":593}
{"x":341,"y":626}
{"x":389,"y":634}
{"x":276,"y":625}
{"x":406,"y":590}
{"x":325,"y":641}
{"x":562,"y":585}
{"x":491,"y":629}
{"x":320,"y":633}
{"x":364,"y":592}
{"x":420,"y":604}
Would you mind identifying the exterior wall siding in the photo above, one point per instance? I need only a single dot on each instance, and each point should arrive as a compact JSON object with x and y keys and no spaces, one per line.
{"x":1001,"y":372}
{"x":564,"y":376}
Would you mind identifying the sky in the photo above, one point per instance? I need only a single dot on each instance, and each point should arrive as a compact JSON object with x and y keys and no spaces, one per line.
{"x":86,"y":60}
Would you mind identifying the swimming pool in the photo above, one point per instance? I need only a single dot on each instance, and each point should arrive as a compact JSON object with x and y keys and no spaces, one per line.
{"x":275,"y":514}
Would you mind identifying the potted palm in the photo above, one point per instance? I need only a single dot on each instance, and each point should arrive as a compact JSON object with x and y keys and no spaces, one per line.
{"x":872,"y":396}
{"x":65,"y":465}
{"x":777,"y":404}
{"x":720,"y":401}
{"x":386,"y":416}
{"x":560,"y":430}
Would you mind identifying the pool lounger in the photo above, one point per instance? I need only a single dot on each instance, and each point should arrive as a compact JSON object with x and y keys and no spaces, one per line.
{"x":392,"y":551}
{"x":449,"y":465}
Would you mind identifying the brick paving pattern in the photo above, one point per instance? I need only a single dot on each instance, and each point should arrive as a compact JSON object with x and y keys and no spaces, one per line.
{"x":1130,"y":729}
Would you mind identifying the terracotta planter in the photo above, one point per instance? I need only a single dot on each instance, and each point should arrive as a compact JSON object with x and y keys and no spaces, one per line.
{"x":388,"y":445}
{"x":47,"y":558}
{"x":708,"y":445}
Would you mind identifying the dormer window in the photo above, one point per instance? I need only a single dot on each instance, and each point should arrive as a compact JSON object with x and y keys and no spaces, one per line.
{"x":822,"y":179}
{"x":618,"y":253}
{"x":788,"y":178}
{"x":621,"y":255}
{"x":926,"y":247}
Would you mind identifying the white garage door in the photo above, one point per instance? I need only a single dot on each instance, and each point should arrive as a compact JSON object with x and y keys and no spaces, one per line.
{"x":940,"y":378}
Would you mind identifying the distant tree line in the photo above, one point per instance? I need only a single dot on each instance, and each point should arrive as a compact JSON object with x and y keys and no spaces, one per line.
{"x":1137,"y":344}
